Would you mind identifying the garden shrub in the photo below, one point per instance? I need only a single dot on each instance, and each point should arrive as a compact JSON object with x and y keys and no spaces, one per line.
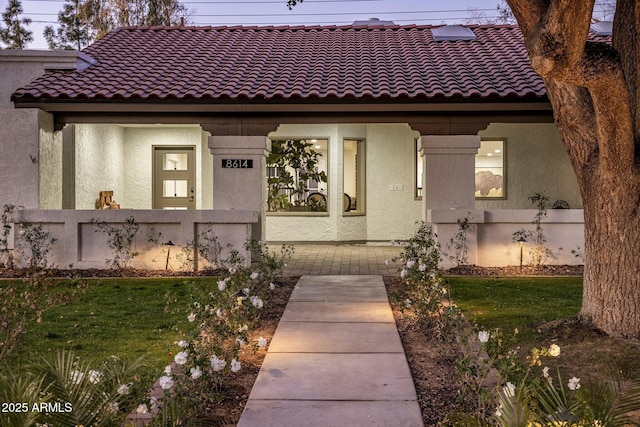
{"x":121,"y":240}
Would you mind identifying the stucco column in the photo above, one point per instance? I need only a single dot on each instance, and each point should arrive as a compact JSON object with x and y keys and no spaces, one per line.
{"x":449,"y":171}
{"x":448,"y":185}
{"x":239,"y":175}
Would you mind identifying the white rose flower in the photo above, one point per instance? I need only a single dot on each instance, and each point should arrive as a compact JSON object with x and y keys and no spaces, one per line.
{"x":181,"y":358}
{"x":255,"y":275}
{"x":142,"y":409}
{"x":404,"y":273}
{"x":195,"y":372}
{"x":183,"y":344}
{"x":422,"y":267}
{"x":191,"y":317}
{"x":262,"y":342}
{"x":484,"y":336}
{"x":123,"y":389}
{"x":243,"y":328}
{"x":217,"y":364}
{"x":167,"y":369}
{"x":95,"y":376}
{"x":574,"y":383}
{"x":554,"y":350}
{"x":545,"y":372}
{"x":257,"y":302}
{"x":166,"y":382}
{"x":272,"y":286}
{"x":233,"y":270}
{"x":222,"y":285}
{"x":76,"y":377}
{"x":235,"y":365}
{"x":410,"y":263}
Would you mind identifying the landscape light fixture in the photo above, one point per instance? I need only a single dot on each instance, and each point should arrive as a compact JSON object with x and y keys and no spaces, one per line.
{"x":521,"y":241}
{"x":168,"y":244}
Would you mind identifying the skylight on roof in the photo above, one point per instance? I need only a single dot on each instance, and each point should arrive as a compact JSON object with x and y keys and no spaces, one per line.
{"x":452,"y":33}
{"x":372,"y":22}
{"x":603,"y":28}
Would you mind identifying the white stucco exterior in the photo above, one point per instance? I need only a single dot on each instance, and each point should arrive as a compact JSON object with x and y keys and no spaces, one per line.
{"x":391,"y":208}
{"x":536,"y":162}
{"x":120,"y":158}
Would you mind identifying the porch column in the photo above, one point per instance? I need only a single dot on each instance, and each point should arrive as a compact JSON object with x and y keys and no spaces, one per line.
{"x":449,"y":171}
{"x":448,"y":185}
{"x":239,"y":175}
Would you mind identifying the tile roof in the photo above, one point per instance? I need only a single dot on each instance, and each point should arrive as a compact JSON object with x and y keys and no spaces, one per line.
{"x":294,"y":64}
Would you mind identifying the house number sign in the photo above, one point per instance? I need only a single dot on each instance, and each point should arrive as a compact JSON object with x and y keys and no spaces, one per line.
{"x":237,"y":163}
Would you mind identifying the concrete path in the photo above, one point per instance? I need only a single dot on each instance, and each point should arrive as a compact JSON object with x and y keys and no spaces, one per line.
{"x":335,"y":360}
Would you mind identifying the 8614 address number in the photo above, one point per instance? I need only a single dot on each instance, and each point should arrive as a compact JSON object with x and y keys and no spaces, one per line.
{"x":237,"y":163}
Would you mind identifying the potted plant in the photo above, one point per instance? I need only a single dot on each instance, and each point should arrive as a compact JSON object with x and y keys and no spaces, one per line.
{"x":293,"y":163}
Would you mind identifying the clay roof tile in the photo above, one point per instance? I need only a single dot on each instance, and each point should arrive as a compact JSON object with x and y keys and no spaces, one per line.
{"x":224,"y":64}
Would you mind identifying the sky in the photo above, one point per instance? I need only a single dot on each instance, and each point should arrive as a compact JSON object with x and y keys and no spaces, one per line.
{"x":275,"y":12}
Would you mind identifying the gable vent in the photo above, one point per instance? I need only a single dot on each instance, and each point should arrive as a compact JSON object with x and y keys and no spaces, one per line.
{"x":452,"y":33}
{"x":603,"y":28}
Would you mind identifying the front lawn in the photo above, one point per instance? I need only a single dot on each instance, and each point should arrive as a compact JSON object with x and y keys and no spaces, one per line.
{"x":544,"y":310}
{"x":523,"y":303}
{"x":125,"y":317}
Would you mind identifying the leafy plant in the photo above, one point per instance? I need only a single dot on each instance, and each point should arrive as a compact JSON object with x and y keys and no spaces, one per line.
{"x":224,"y":310}
{"x":428,"y":294}
{"x":103,"y":396}
{"x":459,"y":242}
{"x":6,"y":254}
{"x":540,"y":253}
{"x":36,"y":242}
{"x":121,"y":239}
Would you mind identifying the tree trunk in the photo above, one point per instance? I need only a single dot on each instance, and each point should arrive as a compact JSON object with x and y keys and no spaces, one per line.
{"x":611,"y":295}
{"x":594,"y":91}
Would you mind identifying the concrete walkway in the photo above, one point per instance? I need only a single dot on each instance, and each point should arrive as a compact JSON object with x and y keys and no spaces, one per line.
{"x":336,"y":359}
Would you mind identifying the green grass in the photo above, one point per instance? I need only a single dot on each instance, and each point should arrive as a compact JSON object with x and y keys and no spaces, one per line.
{"x":522,"y":303}
{"x":112,"y":317}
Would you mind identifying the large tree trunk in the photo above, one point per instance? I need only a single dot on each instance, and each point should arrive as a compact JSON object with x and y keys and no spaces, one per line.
{"x":594,"y":91}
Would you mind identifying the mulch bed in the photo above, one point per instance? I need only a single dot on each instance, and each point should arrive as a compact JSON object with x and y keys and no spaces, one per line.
{"x":515,"y":271}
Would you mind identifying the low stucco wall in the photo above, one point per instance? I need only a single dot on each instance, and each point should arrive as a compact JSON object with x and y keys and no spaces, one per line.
{"x":490,"y":238}
{"x":80,"y":246}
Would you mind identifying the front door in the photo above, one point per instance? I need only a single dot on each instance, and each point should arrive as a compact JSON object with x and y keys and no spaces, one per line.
{"x":174,"y":178}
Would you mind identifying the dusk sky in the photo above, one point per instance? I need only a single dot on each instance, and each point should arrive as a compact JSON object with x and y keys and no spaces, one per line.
{"x":275,"y":12}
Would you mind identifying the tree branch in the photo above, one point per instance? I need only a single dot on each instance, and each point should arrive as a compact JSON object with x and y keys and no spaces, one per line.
{"x":555,"y":33}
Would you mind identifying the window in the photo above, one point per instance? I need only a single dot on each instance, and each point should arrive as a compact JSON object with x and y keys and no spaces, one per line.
{"x":490,"y":170}
{"x":297,"y":176}
{"x":353,"y":176}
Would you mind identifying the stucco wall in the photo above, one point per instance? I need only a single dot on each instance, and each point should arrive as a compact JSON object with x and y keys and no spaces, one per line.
{"x":112,"y":157}
{"x":536,"y":163}
{"x":138,"y":163}
{"x":20,"y":153}
{"x":391,"y":210}
{"x":50,"y":161}
{"x":20,"y":67}
{"x":99,"y":166}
